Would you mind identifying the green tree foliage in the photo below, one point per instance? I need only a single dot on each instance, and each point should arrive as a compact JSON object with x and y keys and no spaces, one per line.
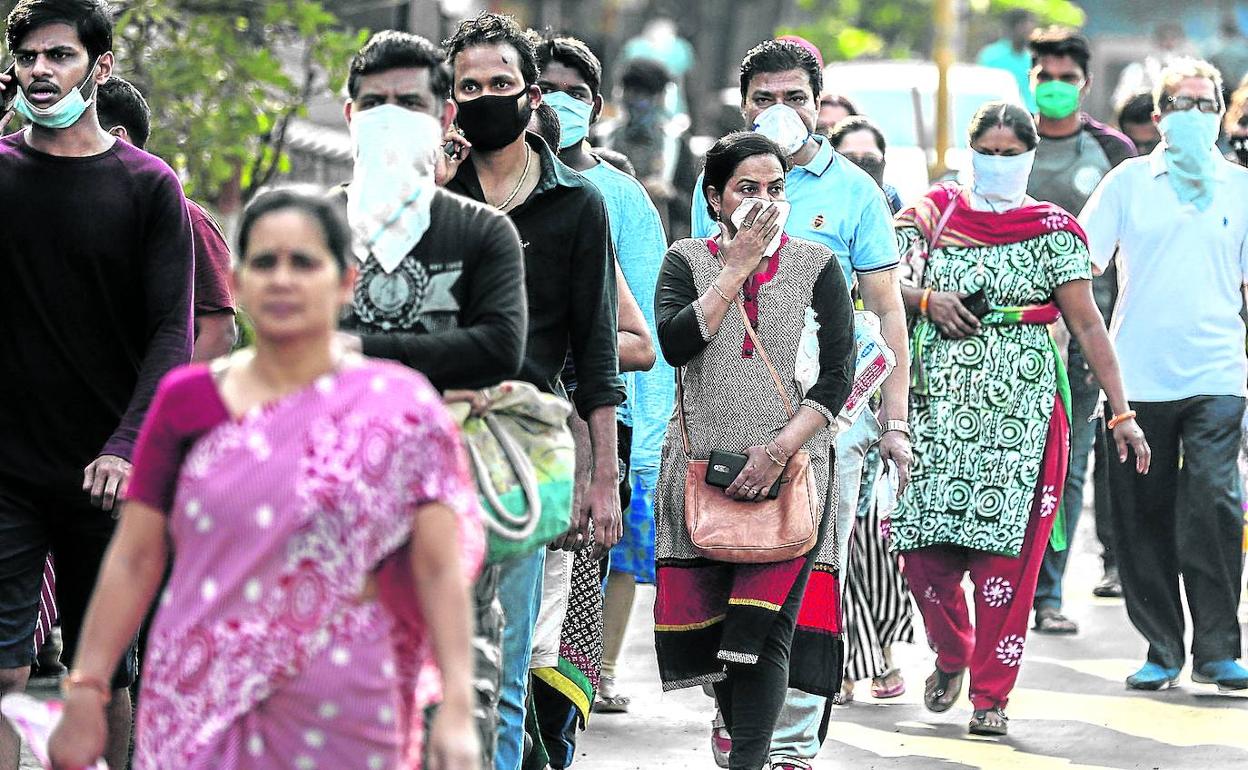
{"x":224,"y":79}
{"x":849,"y":29}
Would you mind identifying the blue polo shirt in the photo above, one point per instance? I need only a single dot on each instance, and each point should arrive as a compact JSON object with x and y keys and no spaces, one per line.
{"x":640,"y":244}
{"x":834,"y":203}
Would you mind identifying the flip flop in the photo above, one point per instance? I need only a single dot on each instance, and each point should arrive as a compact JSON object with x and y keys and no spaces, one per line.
{"x":942,"y":690}
{"x":882,"y":689}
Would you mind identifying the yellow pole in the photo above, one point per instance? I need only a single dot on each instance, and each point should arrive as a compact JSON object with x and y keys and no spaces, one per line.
{"x":945,"y":22}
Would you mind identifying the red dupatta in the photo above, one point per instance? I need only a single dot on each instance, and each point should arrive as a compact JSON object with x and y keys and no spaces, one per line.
{"x":968,"y":227}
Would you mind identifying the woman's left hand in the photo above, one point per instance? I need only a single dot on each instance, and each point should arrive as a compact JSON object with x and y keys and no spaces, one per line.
{"x":78,"y":739}
{"x":756,"y":478}
{"x":453,"y":741}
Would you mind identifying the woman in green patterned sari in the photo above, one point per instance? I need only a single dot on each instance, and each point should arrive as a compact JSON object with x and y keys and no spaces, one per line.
{"x":990,"y":270}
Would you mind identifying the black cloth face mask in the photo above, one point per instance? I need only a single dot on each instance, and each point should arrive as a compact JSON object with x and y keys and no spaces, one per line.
{"x":870,"y":164}
{"x":493,"y":122}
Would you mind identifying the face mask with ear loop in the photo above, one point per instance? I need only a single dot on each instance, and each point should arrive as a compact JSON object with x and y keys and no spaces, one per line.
{"x":66,"y":111}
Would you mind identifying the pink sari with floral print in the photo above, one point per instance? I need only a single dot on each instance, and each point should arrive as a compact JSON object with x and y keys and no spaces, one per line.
{"x":262,"y":653}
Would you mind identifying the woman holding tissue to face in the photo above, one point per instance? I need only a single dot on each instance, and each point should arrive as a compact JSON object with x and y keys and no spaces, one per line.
{"x":733,"y":624}
{"x":990,"y":269}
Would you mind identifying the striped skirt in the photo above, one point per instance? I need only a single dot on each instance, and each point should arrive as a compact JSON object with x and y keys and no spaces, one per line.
{"x":878,"y":612}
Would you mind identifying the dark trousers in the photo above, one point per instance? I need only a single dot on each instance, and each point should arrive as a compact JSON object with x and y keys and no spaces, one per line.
{"x":1084,"y":392}
{"x":1184,"y":517}
{"x":751,"y":697}
{"x":1101,"y":459}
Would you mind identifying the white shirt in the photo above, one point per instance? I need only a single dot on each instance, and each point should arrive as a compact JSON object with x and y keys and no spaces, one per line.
{"x":1176,"y":327}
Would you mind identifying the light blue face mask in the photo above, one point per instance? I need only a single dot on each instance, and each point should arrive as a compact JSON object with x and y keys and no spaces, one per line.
{"x":574,"y":116}
{"x":1190,"y":136}
{"x":66,"y":111}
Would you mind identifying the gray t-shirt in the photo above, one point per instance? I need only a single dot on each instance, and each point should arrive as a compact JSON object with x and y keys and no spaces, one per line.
{"x":1067,"y":170}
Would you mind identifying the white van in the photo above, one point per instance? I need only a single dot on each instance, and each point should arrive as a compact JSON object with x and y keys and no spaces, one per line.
{"x":900,"y":97}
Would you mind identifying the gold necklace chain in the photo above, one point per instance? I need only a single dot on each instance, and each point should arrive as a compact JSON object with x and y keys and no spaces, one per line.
{"x":524,"y":176}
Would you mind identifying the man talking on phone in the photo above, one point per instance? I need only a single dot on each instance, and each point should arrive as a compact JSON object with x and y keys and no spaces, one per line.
{"x":97,"y":254}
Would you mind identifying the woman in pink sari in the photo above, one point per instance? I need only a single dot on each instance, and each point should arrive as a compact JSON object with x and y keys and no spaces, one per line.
{"x":307,"y":499}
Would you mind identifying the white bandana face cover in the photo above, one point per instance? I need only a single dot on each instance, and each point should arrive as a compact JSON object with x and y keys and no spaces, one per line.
{"x":999,"y":182}
{"x":782,"y":215}
{"x":392,"y":186}
{"x":781,"y":124}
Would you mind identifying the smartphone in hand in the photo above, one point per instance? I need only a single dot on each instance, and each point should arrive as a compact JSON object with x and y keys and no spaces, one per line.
{"x":977,"y":303}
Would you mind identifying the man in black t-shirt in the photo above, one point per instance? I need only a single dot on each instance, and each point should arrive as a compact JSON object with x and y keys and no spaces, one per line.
{"x":97,"y":258}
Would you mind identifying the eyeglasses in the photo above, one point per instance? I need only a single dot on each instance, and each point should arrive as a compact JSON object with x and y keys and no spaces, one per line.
{"x":1184,"y":103}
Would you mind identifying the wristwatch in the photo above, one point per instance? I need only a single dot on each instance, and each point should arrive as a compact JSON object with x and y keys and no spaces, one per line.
{"x":901,"y":426}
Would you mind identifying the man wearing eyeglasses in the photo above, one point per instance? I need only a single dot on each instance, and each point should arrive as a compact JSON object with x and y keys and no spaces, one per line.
{"x":1074,"y":154}
{"x":1177,"y":223}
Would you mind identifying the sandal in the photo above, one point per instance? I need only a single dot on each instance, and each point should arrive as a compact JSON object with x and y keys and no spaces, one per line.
{"x":608,"y":701}
{"x":942,"y":690}
{"x":888,"y":685}
{"x":991,"y":721}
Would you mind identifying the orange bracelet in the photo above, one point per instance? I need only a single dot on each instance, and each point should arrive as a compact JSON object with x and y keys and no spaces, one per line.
{"x":927,"y":295}
{"x":1119,"y":419}
{"x":77,"y":679}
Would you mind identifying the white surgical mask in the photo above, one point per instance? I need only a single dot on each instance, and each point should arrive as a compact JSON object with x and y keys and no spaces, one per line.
{"x":392,"y":186}
{"x":748,"y":204}
{"x":999,"y":182}
{"x":574,"y":116}
{"x":781,"y":124}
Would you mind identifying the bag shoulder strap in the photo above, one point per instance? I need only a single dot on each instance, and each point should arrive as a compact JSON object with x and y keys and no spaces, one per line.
{"x":775,"y":378}
{"x":758,"y":345}
{"x":940,"y":225}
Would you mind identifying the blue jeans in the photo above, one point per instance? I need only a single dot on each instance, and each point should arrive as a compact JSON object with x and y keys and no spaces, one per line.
{"x":796,"y":737}
{"x":520,"y":591}
{"x":1083,"y":398}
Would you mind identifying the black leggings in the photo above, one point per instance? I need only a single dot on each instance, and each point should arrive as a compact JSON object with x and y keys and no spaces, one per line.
{"x":751,"y":697}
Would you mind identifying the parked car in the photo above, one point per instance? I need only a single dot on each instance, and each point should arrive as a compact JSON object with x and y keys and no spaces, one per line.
{"x":900,"y":96}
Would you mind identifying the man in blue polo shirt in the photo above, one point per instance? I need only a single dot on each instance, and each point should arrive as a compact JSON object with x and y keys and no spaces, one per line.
{"x":1176,"y":223}
{"x":839,"y":205}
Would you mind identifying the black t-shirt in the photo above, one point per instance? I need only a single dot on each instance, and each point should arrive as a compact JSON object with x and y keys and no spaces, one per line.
{"x":569,"y":278}
{"x":454,"y":308}
{"x":98,"y":263}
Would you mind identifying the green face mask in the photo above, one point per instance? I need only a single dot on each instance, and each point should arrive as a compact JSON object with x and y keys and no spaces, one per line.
{"x":1057,"y":100}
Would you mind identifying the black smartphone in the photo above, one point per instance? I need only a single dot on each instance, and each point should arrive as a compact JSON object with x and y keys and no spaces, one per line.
{"x":10,"y":88}
{"x":977,"y":303}
{"x":722,"y":468}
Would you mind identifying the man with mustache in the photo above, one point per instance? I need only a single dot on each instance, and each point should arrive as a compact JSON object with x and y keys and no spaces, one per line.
{"x":97,"y":249}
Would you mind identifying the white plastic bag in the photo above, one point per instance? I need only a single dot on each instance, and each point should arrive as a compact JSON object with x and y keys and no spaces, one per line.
{"x":34,"y":721}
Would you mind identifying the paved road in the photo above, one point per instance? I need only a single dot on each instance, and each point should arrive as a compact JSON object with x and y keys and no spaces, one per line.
{"x":1069,"y":711}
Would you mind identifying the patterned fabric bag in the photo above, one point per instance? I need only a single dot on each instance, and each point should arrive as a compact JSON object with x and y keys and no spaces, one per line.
{"x":523,"y":458}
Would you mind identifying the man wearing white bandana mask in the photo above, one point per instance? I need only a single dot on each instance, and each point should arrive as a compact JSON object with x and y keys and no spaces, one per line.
{"x":441,"y":284}
{"x":1176,"y":222}
{"x":837,"y":204}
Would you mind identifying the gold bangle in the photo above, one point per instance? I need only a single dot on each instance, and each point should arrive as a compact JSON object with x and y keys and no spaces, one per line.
{"x":767,"y":449}
{"x":77,"y":679}
{"x":720,"y":292}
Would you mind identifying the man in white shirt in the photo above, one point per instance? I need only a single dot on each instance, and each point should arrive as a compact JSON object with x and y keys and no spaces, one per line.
{"x":1177,"y":221}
